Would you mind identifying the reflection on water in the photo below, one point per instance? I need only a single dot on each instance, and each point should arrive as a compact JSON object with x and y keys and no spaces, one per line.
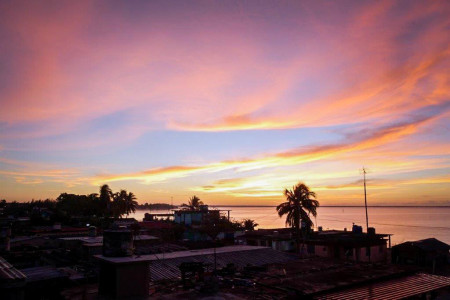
{"x":406,"y":223}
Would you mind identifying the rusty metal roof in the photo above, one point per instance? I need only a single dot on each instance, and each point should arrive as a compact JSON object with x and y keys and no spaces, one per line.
{"x":168,"y":268}
{"x":393,"y":289}
{"x":8,"y":272}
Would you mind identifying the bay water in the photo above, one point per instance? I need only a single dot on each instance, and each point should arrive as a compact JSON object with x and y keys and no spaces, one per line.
{"x":404,"y":223}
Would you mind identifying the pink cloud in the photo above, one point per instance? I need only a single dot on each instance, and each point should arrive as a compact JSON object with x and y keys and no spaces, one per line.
{"x":179,"y":77}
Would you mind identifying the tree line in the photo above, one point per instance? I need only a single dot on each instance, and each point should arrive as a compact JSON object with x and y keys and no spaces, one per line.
{"x":105,"y":204}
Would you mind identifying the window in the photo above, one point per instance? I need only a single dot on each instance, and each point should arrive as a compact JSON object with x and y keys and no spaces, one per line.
{"x":348,"y":252}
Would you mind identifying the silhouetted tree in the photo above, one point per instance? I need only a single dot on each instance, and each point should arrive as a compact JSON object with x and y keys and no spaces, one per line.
{"x":194,"y":203}
{"x":249,"y":224}
{"x":118,"y":204}
{"x":130,"y":203}
{"x":105,"y":199}
{"x":300,"y":203}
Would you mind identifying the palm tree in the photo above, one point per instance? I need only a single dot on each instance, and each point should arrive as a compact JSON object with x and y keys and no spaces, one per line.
{"x":119,"y":203}
{"x":194,"y":203}
{"x":105,"y":199}
{"x":249,"y":224}
{"x":300,"y":204}
{"x":130,"y":203}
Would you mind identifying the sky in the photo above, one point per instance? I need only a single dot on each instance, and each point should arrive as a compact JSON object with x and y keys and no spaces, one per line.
{"x":232,"y":101}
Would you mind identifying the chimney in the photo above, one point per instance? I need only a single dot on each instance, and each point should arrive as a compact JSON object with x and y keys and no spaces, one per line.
{"x":121,"y":274}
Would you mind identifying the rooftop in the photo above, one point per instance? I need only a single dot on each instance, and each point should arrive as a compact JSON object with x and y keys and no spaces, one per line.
{"x":145,"y":237}
{"x":178,"y":254}
{"x":8,"y":272}
{"x":398,"y":288}
{"x":315,"y":275}
{"x":427,"y":244}
{"x":319,"y":237}
{"x":84,"y":239}
{"x":168,"y":268}
{"x":43,"y":273}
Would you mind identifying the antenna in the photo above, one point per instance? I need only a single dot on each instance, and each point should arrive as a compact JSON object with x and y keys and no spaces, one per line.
{"x":365,"y":199}
{"x":364,"y":171}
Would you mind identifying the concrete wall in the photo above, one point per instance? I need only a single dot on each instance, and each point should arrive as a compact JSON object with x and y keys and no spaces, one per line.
{"x":322,"y":251}
{"x":188,"y":218}
{"x":119,"y":281}
{"x":283,"y":245}
{"x":378,"y":253}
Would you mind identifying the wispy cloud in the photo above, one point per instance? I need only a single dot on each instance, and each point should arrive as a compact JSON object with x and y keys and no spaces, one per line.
{"x":91,"y":86}
{"x":361,"y":140}
{"x":386,"y":184}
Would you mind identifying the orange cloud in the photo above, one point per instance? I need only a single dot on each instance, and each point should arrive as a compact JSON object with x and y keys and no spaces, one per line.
{"x":386,"y":184}
{"x":358,"y":141}
{"x":100,"y":75}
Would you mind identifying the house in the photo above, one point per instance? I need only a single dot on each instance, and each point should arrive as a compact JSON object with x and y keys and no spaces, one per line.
{"x":347,"y":245}
{"x":424,"y":253}
{"x":278,"y":239}
{"x":130,"y":276}
{"x":191,"y":217}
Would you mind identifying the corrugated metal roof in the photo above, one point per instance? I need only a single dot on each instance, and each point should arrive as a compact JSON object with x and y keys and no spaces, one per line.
{"x":169,"y":268}
{"x":393,"y":289}
{"x":43,"y":273}
{"x":84,"y":239}
{"x":176,"y":254}
{"x":8,"y":272}
{"x":430,"y":244}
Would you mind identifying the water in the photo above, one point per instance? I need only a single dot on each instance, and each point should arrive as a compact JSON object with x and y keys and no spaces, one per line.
{"x":405,"y":223}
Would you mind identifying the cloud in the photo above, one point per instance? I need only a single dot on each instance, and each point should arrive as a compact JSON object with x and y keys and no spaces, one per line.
{"x":221,"y":77}
{"x":81,"y":79}
{"x":386,"y":183}
{"x":361,"y":140}
{"x":26,"y":172}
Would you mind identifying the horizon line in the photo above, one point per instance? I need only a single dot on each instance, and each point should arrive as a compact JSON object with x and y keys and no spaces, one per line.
{"x":221,"y":205}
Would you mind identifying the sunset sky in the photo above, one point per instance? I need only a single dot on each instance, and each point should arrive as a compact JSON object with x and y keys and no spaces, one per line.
{"x":230,"y":100}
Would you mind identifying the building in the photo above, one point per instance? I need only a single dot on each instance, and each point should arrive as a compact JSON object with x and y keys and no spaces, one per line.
{"x":278,"y":239}
{"x":347,"y":245}
{"x":424,"y":253}
{"x":196,"y":217}
{"x":130,"y":276}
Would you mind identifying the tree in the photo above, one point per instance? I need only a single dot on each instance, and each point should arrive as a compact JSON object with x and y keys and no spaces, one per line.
{"x":118,"y":207}
{"x":300,"y":204}
{"x":249,"y":224}
{"x":194,"y":203}
{"x":130,"y":203}
{"x":105,"y":198}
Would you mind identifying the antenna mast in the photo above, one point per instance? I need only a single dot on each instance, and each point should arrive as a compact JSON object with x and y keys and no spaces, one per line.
{"x":365,"y":200}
